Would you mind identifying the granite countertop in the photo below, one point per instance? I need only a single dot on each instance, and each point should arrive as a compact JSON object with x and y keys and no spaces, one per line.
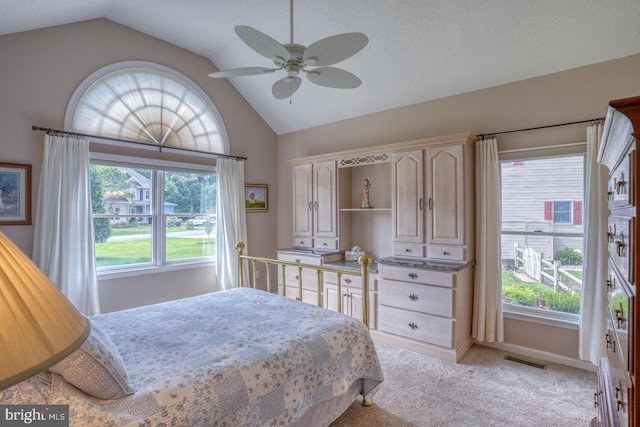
{"x":425,"y":264}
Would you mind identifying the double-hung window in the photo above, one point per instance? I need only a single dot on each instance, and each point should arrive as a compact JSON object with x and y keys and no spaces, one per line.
{"x":170,"y":219}
{"x":542,"y":235}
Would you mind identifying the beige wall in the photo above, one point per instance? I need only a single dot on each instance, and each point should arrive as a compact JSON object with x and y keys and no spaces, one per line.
{"x":39,"y":71}
{"x":573,"y":95}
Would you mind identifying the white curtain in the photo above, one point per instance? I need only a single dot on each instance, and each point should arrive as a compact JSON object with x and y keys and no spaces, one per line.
{"x":63,"y":236}
{"x":594,"y":295}
{"x":232,"y":222}
{"x":487,"y":296}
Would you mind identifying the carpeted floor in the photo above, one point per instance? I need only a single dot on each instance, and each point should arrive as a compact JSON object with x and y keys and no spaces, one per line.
{"x":483,"y":389}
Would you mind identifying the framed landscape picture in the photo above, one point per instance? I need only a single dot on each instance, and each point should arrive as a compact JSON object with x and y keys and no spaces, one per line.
{"x":256,"y":197}
{"x":15,"y":194}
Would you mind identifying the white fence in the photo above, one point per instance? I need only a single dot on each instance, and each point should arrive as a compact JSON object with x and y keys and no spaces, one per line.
{"x":534,"y":266}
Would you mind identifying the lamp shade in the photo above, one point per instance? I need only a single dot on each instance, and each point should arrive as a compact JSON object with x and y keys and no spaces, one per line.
{"x":38,"y":325}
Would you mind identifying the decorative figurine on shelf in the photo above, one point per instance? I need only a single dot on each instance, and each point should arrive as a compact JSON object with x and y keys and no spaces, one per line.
{"x":366,"y":202}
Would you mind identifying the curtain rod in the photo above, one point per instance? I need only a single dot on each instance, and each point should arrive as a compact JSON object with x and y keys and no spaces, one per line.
{"x":482,"y":135}
{"x":128,"y":141}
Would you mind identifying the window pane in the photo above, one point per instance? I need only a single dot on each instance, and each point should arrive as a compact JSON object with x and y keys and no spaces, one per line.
{"x":541,"y":196}
{"x":562,"y":212}
{"x":129,"y":242}
{"x":117,"y":193}
{"x":190,"y":209}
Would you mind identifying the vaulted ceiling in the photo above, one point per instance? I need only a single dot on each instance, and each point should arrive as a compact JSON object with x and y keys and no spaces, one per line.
{"x":418,"y":50}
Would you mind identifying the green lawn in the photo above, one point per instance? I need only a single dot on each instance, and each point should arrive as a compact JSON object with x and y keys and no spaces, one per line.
{"x":139,"y":251}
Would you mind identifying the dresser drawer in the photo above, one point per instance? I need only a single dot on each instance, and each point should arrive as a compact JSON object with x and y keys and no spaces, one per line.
{"x":427,"y":299}
{"x":619,"y":186}
{"x":303,"y":242}
{"x":444,"y":252}
{"x":416,"y":275}
{"x":619,"y":245}
{"x":302,"y":259}
{"x":322,"y":243}
{"x":408,"y":249}
{"x":418,"y":326}
{"x":308,"y":296}
{"x":345,"y":279}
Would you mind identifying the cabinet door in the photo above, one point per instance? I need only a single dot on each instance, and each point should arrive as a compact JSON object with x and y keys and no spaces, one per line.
{"x":407,"y":196}
{"x":302,"y":200}
{"x":445,"y":195}
{"x":325,"y":207}
{"x":331,"y":297}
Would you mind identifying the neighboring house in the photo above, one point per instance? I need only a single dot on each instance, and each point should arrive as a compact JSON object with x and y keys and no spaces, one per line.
{"x":546,"y":197}
{"x":136,"y":200}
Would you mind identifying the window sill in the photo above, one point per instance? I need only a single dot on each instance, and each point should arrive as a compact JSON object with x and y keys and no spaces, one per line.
{"x":152,"y":269}
{"x":535,"y":315}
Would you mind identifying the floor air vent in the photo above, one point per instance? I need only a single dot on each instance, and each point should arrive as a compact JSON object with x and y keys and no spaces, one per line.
{"x":525,"y":362}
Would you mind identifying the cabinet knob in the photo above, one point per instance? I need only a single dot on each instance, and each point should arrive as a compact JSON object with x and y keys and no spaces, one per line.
{"x":446,"y":253}
{"x":413,"y":297}
{"x":413,"y":275}
{"x":413,"y":325}
{"x":297,"y":260}
{"x":407,"y":250}
{"x":347,"y":280}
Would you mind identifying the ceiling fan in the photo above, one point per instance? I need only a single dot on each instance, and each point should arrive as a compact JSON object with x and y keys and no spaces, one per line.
{"x":294,"y":58}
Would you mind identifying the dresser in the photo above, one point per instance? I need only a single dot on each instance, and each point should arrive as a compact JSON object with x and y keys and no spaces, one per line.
{"x":617,"y":397}
{"x":425,"y":306}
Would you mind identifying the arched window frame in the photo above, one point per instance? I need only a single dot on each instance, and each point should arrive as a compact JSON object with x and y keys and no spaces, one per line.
{"x":108,"y":69}
{"x":159,"y":170}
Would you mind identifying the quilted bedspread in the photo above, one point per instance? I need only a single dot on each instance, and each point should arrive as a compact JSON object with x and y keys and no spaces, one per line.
{"x":241,"y":357}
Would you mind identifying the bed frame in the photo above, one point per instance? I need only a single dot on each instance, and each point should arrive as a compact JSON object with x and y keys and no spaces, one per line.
{"x":251,"y":280}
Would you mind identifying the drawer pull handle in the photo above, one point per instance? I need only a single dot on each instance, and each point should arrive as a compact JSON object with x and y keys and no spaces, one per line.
{"x":347,"y":280}
{"x":413,"y":297}
{"x":297,"y":277}
{"x":618,"y":397}
{"x":413,"y":275}
{"x":595,"y":399}
{"x":620,"y":184}
{"x":407,"y":250}
{"x":324,"y":244}
{"x":608,"y":341}
{"x":620,"y":319}
{"x":297,"y":260}
{"x":446,"y":253}
{"x":413,"y":325}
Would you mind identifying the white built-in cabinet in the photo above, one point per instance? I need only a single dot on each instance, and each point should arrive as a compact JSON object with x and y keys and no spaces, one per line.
{"x":422,"y":216}
{"x":315,"y":207}
{"x":431,"y":197}
{"x":408,"y":203}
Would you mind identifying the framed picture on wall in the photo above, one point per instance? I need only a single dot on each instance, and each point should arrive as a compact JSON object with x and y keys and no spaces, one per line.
{"x":256,"y":197}
{"x":15,"y":194}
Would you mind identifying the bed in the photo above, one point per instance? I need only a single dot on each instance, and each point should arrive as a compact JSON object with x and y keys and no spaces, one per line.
{"x":242,"y":357}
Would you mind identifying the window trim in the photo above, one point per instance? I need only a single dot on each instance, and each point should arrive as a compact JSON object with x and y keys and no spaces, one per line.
{"x":159,"y":232}
{"x":532,"y":314}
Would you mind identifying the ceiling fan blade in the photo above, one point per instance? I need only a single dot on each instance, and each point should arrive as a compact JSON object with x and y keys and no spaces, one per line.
{"x":286,"y":87}
{"x":245,"y":71}
{"x":334,"y":49}
{"x":263,"y":44}
{"x":333,"y":77}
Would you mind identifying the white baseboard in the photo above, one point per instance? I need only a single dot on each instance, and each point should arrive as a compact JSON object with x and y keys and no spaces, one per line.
{"x":541,"y":355}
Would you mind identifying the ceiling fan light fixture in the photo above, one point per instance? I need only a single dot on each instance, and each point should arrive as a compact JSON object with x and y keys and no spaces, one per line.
{"x":294,"y":57}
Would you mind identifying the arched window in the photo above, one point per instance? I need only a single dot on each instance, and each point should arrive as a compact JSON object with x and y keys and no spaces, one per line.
{"x":148,"y":103}
{"x":147,"y":212}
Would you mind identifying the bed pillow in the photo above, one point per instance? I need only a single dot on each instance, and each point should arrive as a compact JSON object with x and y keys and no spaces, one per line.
{"x":96,"y":367}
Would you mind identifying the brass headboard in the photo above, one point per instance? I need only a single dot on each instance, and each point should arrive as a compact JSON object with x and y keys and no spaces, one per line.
{"x":364,"y":261}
